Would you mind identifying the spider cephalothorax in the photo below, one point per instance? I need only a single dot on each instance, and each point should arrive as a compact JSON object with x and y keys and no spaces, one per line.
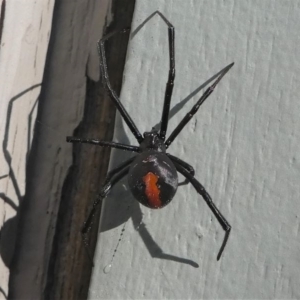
{"x":152,"y":141}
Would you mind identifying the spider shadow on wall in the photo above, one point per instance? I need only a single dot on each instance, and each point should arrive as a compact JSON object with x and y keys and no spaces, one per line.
{"x":8,"y":231}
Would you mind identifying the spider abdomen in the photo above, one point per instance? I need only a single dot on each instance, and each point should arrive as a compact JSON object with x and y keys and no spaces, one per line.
{"x":153,"y":179}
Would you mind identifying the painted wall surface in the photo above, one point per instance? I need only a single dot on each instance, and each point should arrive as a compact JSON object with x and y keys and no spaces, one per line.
{"x":243,"y":143}
{"x":25,"y":33}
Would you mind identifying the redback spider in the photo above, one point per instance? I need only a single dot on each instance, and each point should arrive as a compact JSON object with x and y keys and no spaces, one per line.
{"x":152,"y":173}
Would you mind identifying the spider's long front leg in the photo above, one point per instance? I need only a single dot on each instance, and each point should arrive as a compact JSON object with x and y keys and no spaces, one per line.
{"x":170,"y":82}
{"x":195,"y":108}
{"x":109,"y":182}
{"x":201,"y":190}
{"x":113,"y":95}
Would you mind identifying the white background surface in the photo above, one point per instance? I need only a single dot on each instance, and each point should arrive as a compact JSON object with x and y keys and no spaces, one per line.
{"x":243,"y":143}
{"x":25,"y":38}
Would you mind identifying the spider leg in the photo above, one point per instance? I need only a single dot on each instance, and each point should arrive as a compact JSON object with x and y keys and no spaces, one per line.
{"x":195,"y":108}
{"x":185,"y":165}
{"x":72,"y":139}
{"x":170,"y":82}
{"x":113,"y":95}
{"x":109,"y":182}
{"x":116,"y":170}
{"x":201,"y":190}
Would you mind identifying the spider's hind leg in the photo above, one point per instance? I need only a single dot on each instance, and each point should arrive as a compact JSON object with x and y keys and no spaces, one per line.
{"x":201,"y":190}
{"x":185,"y":165}
{"x":112,"y":178}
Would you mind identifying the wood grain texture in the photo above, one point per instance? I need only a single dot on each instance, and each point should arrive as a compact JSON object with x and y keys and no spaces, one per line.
{"x":62,"y":180}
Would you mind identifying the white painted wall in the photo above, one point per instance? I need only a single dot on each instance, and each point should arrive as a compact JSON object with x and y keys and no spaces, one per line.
{"x":243,"y":143}
{"x":25,"y":37}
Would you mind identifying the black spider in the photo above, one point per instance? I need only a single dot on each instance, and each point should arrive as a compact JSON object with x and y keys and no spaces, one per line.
{"x":152,"y":173}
